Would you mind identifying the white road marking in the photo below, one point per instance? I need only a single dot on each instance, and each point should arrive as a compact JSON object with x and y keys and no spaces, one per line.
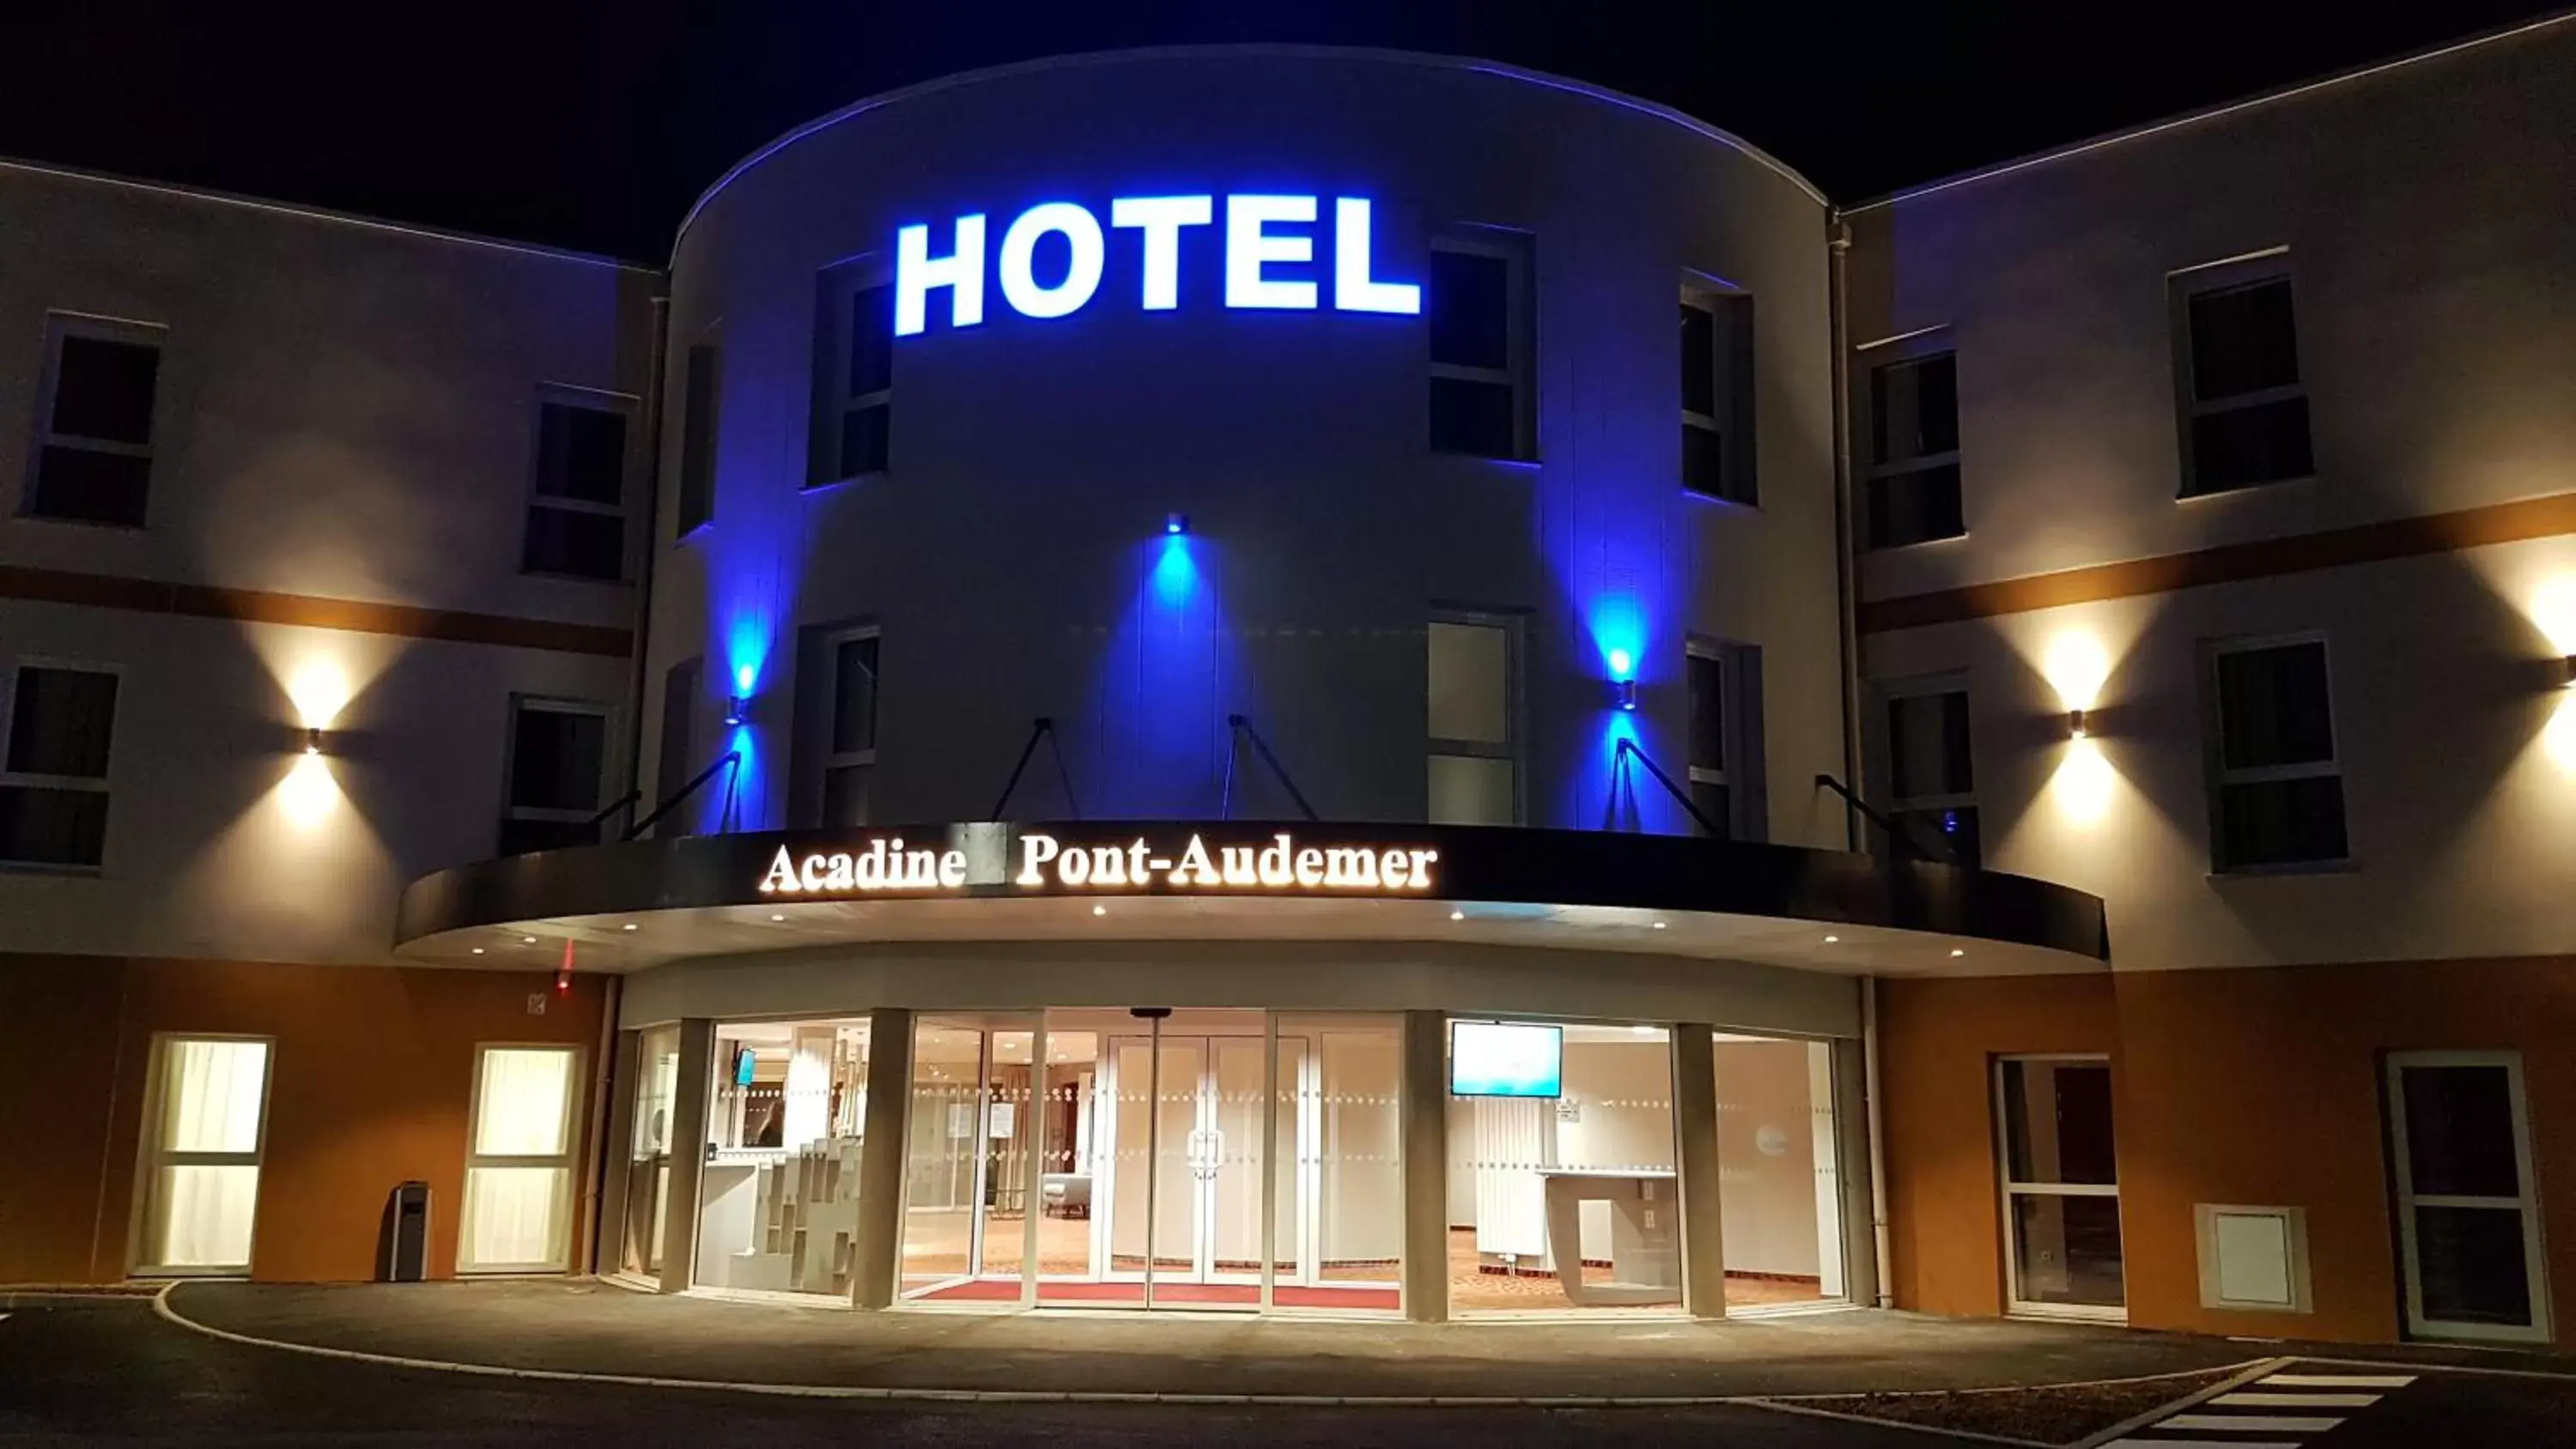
{"x":2258,"y":1400}
{"x":2252,"y":1423}
{"x":2202,"y":1443}
{"x":2339,"y":1381}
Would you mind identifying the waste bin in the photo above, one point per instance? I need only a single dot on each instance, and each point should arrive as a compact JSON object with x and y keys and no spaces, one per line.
{"x":406,"y":1234}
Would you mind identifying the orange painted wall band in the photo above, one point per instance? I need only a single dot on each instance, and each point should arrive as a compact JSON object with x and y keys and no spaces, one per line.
{"x":148,"y":596}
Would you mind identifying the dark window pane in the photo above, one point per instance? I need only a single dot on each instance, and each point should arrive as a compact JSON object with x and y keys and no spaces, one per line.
{"x":52,"y":827}
{"x":1915,"y":507}
{"x":854,"y":701}
{"x":1472,"y":417}
{"x":2272,"y":706}
{"x":680,"y":686}
{"x":2282,"y":822}
{"x":2470,"y":1262}
{"x":2245,"y":446}
{"x":2459,"y":1132}
{"x":845,"y":795}
{"x":60,"y":722}
{"x":568,"y":541}
{"x":581,"y":453}
{"x":698,"y":438}
{"x":2242,"y":340}
{"x":871,"y":340}
{"x":864,"y":441}
{"x":2069,"y":1249}
{"x":103,"y":389}
{"x":1914,"y":409}
{"x":1707,"y":713}
{"x":1470,"y":305}
{"x":1714,"y":801}
{"x":1699,"y":361}
{"x":1928,"y":753}
{"x":1704,"y":461}
{"x":1947,"y":835}
{"x":91,"y":486}
{"x":555,"y":759}
{"x":518,"y":837}
{"x":2057,"y":1123}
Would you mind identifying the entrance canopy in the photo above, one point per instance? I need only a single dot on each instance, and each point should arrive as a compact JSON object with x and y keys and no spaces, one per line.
{"x":642,"y":903}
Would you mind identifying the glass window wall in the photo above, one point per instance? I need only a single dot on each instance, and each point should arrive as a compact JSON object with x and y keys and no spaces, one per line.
{"x":778,"y":1197}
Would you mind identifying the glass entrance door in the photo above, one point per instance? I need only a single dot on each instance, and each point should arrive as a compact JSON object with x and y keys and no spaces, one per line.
{"x":1199,"y":1117}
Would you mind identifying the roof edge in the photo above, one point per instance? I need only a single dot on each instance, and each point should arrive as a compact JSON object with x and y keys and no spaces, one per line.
{"x":2214,"y":111}
{"x":1086,"y":59}
{"x":326,"y":214}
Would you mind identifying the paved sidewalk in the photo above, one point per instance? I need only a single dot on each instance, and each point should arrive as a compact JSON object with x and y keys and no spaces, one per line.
{"x":595,"y":1328}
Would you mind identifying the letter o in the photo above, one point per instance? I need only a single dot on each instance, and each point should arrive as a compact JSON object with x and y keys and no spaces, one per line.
{"x":1081,"y":277}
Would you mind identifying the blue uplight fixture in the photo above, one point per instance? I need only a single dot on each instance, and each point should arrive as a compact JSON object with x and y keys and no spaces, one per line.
{"x":1623,"y":679}
{"x":1176,"y":523}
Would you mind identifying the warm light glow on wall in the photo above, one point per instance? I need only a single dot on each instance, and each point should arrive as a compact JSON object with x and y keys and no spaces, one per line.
{"x":2076,"y":666}
{"x":320,"y":689}
{"x":2084,"y":784}
{"x":2558,"y":737}
{"x":2553,"y":608}
{"x":308,"y":794}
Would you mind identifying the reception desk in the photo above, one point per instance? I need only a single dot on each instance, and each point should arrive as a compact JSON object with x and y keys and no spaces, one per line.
{"x":1645,"y":1236}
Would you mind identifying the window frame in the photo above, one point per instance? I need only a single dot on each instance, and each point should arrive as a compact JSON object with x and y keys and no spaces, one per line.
{"x":830,"y":644}
{"x":1700,"y":292}
{"x":1899,"y":807}
{"x":837,"y":290}
{"x":1518,"y":252}
{"x":151,"y":1157}
{"x":2015,"y":1306}
{"x":2220,"y":776}
{"x":1915,"y":349}
{"x":60,"y":325}
{"x":1515,"y":747}
{"x":566,"y":1161}
{"x":694,"y":479}
{"x":11,"y":669}
{"x":2205,"y":279}
{"x":628,"y":407}
{"x":552,"y":704}
{"x":2404,"y":1200}
{"x":1747,"y":807}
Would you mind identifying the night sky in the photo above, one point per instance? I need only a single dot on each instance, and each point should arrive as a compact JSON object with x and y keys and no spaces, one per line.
{"x":593,"y":126}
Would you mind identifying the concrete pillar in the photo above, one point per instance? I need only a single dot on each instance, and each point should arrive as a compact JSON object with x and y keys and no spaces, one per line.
{"x":1859,"y":1223}
{"x":880,"y":1245}
{"x":1426,"y":1167}
{"x":1695,"y":1131}
{"x":690,"y":1098}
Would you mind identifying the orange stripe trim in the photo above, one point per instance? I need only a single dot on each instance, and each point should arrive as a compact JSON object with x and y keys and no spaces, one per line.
{"x":2394,"y":538}
{"x":257,"y":606}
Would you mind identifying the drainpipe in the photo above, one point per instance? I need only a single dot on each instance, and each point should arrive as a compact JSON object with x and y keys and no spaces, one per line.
{"x":603,"y":1085}
{"x":652,"y":522}
{"x":1846,"y":580}
{"x":1877,"y":1140}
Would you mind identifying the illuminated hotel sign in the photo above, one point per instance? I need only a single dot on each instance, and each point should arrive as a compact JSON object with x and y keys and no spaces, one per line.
{"x":1266,"y":238}
{"x":1038,"y":862}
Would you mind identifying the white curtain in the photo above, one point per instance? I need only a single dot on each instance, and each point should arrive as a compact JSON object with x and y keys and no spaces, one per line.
{"x":211,"y":1095}
{"x":520,"y":1111}
{"x":517,"y":1214}
{"x":212,"y":1092}
{"x":514,"y":1217}
{"x":206,"y":1216}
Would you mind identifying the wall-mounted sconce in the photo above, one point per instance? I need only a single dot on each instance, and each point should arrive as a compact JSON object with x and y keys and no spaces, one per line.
{"x":1176,"y":523}
{"x":313,"y":740}
{"x":1623,"y":693}
{"x":737,"y":708}
{"x":2075,"y":724}
{"x":1623,"y":679}
{"x":2567,"y":679}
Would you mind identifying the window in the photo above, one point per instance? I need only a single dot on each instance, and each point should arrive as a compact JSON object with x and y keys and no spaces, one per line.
{"x":850,"y":758}
{"x":94,"y":432}
{"x":53,"y":775}
{"x":1725,"y":737}
{"x":202,"y":1144}
{"x":1481,"y":362}
{"x":558,"y":750}
{"x":679,"y":759}
{"x":2279,"y":792}
{"x":853,"y":374}
{"x":1914,"y":452}
{"x":1717,"y":394}
{"x":577,"y":509}
{"x":1931,"y":775}
{"x":2061,"y":1185}
{"x":698,"y":439}
{"x":1475,"y":744}
{"x":2245,"y":414}
{"x":2468,"y":1214}
{"x":518,"y":1168}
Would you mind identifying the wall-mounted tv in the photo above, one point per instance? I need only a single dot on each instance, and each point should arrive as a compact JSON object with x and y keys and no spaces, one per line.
{"x":745,"y":1063}
{"x":1506,"y":1059}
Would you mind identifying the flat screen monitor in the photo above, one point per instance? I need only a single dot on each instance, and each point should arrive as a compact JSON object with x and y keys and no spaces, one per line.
{"x":1506,"y":1059}
{"x":745,"y":1062}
